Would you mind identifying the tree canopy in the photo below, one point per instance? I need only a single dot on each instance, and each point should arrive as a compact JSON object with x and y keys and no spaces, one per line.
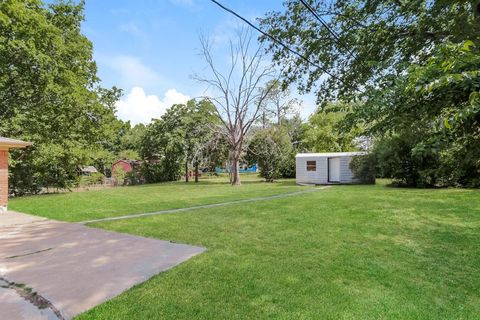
{"x":50,"y":93}
{"x":176,"y":140}
{"x":367,"y":43}
{"x":411,"y":67}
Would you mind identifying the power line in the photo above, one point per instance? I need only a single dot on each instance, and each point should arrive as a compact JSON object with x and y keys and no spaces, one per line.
{"x":319,"y":18}
{"x":276,"y":40}
{"x":335,"y":36}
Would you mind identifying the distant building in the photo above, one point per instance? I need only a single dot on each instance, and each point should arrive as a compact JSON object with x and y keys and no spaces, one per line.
{"x":130,"y":172}
{"x":325,"y":168}
{"x":126,"y":165}
{"x":88,"y":170}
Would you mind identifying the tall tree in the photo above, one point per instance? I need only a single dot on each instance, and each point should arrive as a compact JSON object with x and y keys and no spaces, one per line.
{"x":367,"y":43}
{"x":238,"y":92}
{"x":50,"y":94}
{"x":431,"y":118}
{"x":199,"y":124}
{"x":272,"y":150}
{"x":176,"y":140}
{"x":131,"y":139}
{"x":323,"y":132}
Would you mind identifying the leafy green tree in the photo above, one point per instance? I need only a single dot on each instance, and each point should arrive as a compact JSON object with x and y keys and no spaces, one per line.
{"x":199,"y":126}
{"x":50,"y":94}
{"x":413,"y":65}
{"x":296,"y":129}
{"x":101,"y":159}
{"x":131,"y":138}
{"x":372,"y":43}
{"x":164,"y":142}
{"x":129,"y":154}
{"x":215,"y":152}
{"x":177,"y":139}
{"x":272,"y":150}
{"x":430,"y":118}
{"x":323,"y":131}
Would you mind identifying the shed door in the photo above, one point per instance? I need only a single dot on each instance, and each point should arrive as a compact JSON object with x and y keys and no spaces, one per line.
{"x":333,"y":169}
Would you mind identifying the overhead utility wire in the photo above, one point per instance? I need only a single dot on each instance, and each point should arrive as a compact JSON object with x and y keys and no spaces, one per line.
{"x":276,"y":40}
{"x":332,"y":32}
{"x":319,"y":18}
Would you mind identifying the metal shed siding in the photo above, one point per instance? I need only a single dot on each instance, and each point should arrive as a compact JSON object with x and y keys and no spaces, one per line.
{"x":346,"y":175}
{"x":319,"y":176}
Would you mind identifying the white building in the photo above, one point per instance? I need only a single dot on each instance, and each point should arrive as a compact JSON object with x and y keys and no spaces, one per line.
{"x":325,"y":168}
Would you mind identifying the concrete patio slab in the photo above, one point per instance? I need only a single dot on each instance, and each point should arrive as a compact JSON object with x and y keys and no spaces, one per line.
{"x":76,"y":267}
{"x":13,"y":306}
{"x":11,"y":218}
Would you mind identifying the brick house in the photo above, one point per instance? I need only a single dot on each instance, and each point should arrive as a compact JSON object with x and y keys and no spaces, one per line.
{"x":5,"y":145}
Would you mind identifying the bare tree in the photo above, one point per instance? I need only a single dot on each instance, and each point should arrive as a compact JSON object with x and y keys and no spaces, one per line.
{"x":237,"y":91}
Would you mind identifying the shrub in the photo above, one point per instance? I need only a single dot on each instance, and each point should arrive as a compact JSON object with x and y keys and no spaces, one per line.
{"x":272,"y":150}
{"x":120,"y":176}
{"x":406,"y":161}
{"x":94,"y":178}
{"x":364,"y":168}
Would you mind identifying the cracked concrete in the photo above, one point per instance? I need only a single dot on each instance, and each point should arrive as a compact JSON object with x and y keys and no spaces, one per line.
{"x":20,"y":301}
{"x":13,"y":306}
{"x":76,"y":267}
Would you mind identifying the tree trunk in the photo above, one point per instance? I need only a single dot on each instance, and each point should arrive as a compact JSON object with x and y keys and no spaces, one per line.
{"x":279,"y":115}
{"x":186,"y":170}
{"x":236,"y":171}
{"x":196,"y":171}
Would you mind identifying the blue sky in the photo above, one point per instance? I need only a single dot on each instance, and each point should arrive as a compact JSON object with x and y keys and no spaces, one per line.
{"x":149,"y":48}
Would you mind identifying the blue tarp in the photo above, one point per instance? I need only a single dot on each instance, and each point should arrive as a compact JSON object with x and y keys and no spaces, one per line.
{"x":251,"y":169}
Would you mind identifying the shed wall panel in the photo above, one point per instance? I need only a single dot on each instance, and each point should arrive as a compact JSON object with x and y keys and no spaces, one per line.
{"x":346,"y":175}
{"x":320,"y":176}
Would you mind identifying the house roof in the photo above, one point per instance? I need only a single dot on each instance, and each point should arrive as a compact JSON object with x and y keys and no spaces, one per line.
{"x":331,"y":154}
{"x":129,"y":161}
{"x":7,"y":143}
{"x":89,"y":169}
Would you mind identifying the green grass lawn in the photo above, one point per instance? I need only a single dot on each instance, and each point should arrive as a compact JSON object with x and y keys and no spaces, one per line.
{"x":347,"y":252}
{"x":109,"y":202}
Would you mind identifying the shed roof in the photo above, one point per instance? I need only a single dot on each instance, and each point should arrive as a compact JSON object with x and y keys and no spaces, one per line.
{"x":89,"y":169}
{"x":331,"y":154}
{"x":7,"y":143}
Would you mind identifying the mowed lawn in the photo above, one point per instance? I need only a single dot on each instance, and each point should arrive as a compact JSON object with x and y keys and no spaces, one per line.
{"x":110,"y":202}
{"x":346,"y":252}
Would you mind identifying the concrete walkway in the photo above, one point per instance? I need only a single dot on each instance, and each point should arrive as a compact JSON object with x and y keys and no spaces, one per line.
{"x":75,"y":267}
{"x":206,"y":206}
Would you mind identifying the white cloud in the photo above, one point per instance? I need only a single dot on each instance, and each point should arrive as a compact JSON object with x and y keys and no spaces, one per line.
{"x":131,"y":72}
{"x":138,"y":107}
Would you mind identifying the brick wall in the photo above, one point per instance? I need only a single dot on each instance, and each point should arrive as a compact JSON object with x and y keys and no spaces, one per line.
{"x":3,"y":179}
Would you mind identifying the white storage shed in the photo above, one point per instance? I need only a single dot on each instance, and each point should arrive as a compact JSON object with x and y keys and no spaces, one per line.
{"x":325,"y":168}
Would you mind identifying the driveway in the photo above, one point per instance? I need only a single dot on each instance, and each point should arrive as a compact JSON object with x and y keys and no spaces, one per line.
{"x":73,"y":267}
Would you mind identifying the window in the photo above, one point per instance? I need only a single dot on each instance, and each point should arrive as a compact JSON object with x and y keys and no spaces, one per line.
{"x":311,"y":165}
